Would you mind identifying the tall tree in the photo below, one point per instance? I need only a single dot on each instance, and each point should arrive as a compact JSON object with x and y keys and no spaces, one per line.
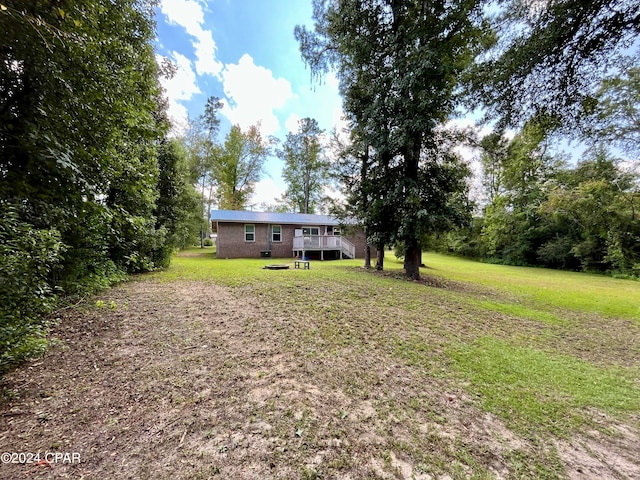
{"x":512,"y":229}
{"x":179,"y":206}
{"x":306,"y":169}
{"x":350,"y":172}
{"x":240,"y":165}
{"x":204,"y":154}
{"x":80,"y":118}
{"x":399,"y":64}
{"x":494,"y":151}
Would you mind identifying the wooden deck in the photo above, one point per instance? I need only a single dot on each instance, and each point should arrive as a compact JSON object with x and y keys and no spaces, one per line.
{"x":323,"y":243}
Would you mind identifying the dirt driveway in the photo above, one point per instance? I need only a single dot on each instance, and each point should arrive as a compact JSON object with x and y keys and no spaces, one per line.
{"x":186,"y":380}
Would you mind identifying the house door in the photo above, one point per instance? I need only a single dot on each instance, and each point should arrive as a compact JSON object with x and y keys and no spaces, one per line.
{"x":311,"y":236}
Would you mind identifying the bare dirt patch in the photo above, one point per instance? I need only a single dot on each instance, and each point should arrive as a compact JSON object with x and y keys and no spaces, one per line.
{"x":190,"y":380}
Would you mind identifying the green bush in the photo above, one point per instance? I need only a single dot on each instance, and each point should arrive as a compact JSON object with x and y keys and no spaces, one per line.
{"x":27,"y":256}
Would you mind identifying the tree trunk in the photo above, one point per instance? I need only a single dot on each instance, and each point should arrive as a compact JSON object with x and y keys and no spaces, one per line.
{"x":412,"y":253}
{"x":201,"y":219}
{"x":367,"y":251}
{"x":380,"y":257}
{"x":412,"y":257}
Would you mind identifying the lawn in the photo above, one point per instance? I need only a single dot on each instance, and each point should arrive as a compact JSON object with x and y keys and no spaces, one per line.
{"x":221,"y":369}
{"x":543,"y":350}
{"x":545,"y":287}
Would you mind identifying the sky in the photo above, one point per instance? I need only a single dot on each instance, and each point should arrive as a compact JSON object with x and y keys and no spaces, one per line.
{"x":244,"y":52}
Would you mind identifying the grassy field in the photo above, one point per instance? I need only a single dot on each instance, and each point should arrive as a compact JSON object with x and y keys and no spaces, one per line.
{"x":542,"y":350}
{"x":221,"y":369}
{"x":547,"y":288}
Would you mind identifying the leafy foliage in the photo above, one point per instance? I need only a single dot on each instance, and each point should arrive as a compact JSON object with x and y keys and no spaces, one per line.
{"x":616,"y":113}
{"x":179,"y":206}
{"x":27,"y":256}
{"x":306,"y":169}
{"x":582,"y":217}
{"x":240,"y":165}
{"x":81,"y":121}
{"x":546,"y":57}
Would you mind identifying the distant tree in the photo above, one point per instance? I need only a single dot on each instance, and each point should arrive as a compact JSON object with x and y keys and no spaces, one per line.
{"x":306,"y":169}
{"x":494,"y":150}
{"x":511,"y":229}
{"x":593,"y":211}
{"x":240,"y":165}
{"x":546,"y":57}
{"x":204,"y":154}
{"x":399,"y":64}
{"x":281,"y":206}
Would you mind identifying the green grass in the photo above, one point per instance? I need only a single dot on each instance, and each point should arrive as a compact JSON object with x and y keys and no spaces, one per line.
{"x":541,"y":349}
{"x":530,"y":388}
{"x":522,"y":312}
{"x":545,"y":287}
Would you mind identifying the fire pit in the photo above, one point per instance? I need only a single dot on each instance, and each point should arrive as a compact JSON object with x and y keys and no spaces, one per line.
{"x":276,"y":267}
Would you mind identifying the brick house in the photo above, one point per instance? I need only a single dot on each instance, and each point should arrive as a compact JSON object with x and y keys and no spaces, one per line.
{"x":243,"y":234}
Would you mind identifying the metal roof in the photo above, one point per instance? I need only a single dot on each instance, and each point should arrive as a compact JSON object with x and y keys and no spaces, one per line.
{"x":243,"y":216}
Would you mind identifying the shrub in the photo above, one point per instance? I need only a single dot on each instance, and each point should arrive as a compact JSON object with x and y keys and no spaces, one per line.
{"x":27,"y":256}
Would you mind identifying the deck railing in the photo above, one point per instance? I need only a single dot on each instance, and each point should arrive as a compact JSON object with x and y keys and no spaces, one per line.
{"x":324,"y":242}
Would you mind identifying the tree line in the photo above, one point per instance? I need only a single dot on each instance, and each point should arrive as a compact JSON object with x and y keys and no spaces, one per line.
{"x":91,"y":188}
{"x":544,"y":211}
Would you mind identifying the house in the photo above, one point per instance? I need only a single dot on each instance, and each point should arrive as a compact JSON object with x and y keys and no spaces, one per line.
{"x":243,"y":234}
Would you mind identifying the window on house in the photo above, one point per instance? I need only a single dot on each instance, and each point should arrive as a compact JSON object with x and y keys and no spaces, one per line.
{"x":249,"y":233}
{"x":336,"y":231}
{"x":276,"y":233}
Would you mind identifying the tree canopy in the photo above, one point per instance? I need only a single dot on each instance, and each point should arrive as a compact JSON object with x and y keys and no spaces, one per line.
{"x":547,"y":57}
{"x":240,"y":165}
{"x":306,"y":169}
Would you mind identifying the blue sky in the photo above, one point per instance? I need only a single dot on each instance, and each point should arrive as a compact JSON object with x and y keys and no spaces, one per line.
{"x":244,"y":52}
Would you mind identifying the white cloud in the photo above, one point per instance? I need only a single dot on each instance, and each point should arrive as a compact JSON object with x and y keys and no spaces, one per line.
{"x":292,"y":122}
{"x":182,"y":86}
{"x":186,"y":13}
{"x":253,"y":94}
{"x":189,"y":15}
{"x":266,"y":191}
{"x":205,"y":53}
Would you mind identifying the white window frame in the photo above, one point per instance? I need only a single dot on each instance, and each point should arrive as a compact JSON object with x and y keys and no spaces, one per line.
{"x":247,"y":232}
{"x":274,"y":233}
